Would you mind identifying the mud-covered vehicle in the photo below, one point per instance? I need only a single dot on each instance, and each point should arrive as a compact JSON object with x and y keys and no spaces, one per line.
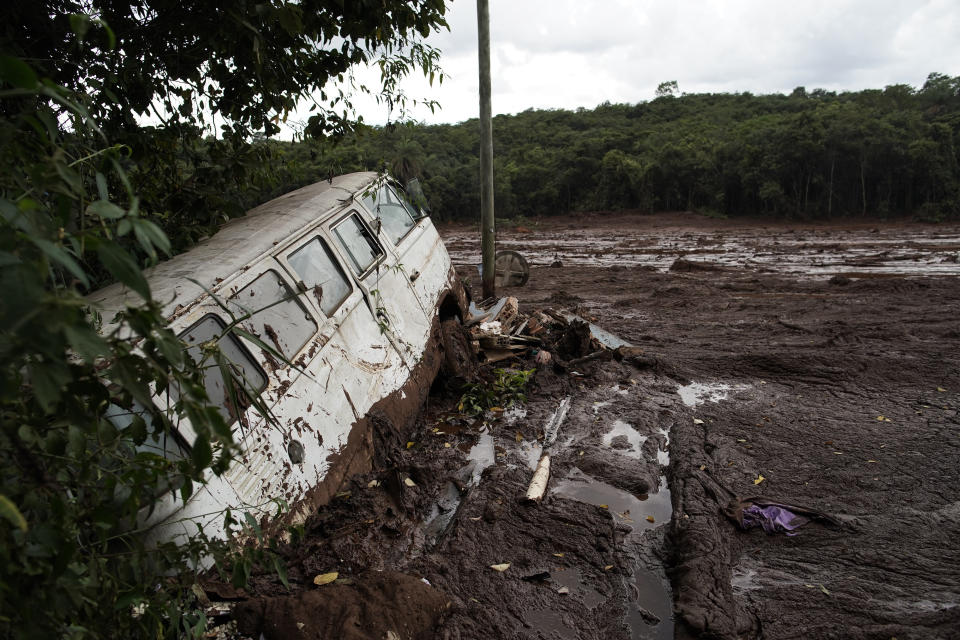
{"x":340,"y":289}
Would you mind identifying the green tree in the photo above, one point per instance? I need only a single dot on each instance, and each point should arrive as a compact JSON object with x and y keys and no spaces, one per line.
{"x":668,"y":89}
{"x":86,"y":193}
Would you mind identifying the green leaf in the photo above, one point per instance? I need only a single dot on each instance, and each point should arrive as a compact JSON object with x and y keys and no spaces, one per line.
{"x":11,"y":513}
{"x":150,"y":237}
{"x":59,"y":255}
{"x":86,"y":342}
{"x":128,"y":600}
{"x":102,"y":186}
{"x":70,"y":177}
{"x":76,"y":441}
{"x":201,"y":453}
{"x":106,"y":209}
{"x":252,"y":523}
{"x":106,"y":431}
{"x":17,"y":72}
{"x":186,"y":490}
{"x":7,"y":259}
{"x":127,"y":377}
{"x":153,"y":233}
{"x":137,"y":430}
{"x":170,"y":346}
{"x":79,"y":24}
{"x":49,"y":381}
{"x":281,"y":568}
{"x":111,"y":36}
{"x":123,"y":267}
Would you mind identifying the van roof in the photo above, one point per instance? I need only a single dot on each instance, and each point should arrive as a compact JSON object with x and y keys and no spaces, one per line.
{"x":238,"y":243}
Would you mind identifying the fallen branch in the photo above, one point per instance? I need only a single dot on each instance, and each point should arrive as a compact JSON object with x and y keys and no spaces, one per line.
{"x":602,"y":354}
{"x":541,"y":477}
{"x":553,"y":424}
{"x":538,"y":485}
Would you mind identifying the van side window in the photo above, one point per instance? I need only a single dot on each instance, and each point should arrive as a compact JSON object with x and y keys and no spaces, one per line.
{"x":319,"y":271}
{"x":244,"y":370}
{"x":277,"y":316}
{"x":393,"y":212}
{"x":360,"y":245}
{"x":166,"y":445}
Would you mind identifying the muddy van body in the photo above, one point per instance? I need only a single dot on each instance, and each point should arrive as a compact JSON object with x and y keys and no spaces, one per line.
{"x":350,"y":284}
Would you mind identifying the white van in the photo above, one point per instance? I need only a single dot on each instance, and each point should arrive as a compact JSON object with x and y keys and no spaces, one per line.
{"x":374,"y":282}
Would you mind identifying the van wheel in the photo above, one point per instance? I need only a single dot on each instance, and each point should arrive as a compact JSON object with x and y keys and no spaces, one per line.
{"x":458,"y":358}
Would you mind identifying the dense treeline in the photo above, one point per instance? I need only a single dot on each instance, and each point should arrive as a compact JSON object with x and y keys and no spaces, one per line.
{"x":809,"y":154}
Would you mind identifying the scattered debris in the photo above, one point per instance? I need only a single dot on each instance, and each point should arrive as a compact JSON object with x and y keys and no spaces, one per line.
{"x":538,"y":485}
{"x":773,"y":517}
{"x":325,"y":578}
{"x":553,"y":425}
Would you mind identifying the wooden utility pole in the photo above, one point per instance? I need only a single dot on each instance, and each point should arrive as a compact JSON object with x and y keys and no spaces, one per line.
{"x":488,"y":238}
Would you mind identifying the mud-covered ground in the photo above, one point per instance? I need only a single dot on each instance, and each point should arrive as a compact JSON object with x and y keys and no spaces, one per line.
{"x":808,"y":365}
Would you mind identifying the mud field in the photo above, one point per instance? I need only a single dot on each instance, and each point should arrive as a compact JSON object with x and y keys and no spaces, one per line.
{"x":814,"y":367}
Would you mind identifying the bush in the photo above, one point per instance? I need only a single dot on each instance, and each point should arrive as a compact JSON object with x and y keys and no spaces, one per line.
{"x":74,"y":485}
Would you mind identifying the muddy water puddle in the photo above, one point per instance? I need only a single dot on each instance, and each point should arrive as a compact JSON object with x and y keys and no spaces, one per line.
{"x":640,"y":517}
{"x":649,"y":611}
{"x":633,"y":511}
{"x":634,"y":439}
{"x":696,"y":393}
{"x":649,"y":615}
{"x":817,"y":254}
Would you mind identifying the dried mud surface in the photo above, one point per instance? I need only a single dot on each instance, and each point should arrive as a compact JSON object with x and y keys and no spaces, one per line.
{"x":817,"y":357}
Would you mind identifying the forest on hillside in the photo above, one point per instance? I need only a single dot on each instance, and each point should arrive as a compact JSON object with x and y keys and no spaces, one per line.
{"x":808,"y":155}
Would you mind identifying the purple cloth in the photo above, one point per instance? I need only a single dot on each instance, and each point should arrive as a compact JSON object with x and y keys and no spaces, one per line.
{"x":773,"y":519}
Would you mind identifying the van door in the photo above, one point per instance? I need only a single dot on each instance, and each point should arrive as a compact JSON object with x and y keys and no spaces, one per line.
{"x":322,"y":354}
{"x":346,"y":366}
{"x":384,"y":280}
{"x":415,"y":241}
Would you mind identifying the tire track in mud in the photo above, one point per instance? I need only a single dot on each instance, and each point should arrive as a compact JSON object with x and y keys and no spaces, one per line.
{"x":857,"y":417}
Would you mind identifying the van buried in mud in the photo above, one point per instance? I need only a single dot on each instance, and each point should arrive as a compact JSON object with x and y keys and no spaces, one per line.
{"x":344,"y":285}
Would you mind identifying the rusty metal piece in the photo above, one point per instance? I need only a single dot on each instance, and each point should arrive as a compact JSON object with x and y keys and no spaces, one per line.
{"x":511,"y":269}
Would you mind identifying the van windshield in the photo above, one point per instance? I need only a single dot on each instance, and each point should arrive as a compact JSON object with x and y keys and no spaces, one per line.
{"x":394,"y":213}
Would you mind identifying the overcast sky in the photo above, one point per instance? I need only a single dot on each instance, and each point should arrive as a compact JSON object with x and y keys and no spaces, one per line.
{"x":568,"y":54}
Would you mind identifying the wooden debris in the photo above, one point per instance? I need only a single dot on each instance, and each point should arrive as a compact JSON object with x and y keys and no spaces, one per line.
{"x":538,"y":485}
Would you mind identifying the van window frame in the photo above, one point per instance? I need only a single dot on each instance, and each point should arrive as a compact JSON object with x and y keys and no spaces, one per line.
{"x":402,"y":204}
{"x":291,"y":296}
{"x":239,"y":343}
{"x":371,"y":235}
{"x":332,"y":253}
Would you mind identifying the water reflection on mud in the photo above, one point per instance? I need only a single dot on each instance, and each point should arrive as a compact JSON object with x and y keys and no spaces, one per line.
{"x":818,"y":253}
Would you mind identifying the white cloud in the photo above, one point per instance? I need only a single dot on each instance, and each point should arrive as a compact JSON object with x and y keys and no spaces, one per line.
{"x":568,"y":54}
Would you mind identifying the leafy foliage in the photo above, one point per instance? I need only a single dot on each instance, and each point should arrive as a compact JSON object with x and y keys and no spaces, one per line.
{"x":193,"y":90}
{"x":810,"y":154}
{"x":507,"y":388}
{"x":89,"y":195}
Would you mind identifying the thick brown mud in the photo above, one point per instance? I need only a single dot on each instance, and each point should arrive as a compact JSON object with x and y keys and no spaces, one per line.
{"x":832,"y":388}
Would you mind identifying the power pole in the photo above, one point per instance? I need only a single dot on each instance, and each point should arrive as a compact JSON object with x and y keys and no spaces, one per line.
{"x":488,"y":238}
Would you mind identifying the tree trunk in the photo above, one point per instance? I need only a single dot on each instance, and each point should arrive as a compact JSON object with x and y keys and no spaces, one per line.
{"x":863,"y":186}
{"x":833,"y":163}
{"x":487,"y":234}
